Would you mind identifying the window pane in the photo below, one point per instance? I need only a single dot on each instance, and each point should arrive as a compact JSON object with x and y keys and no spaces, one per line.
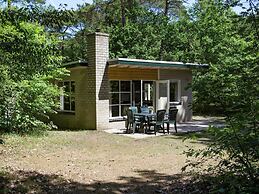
{"x":66,"y":103}
{"x":114,"y":86}
{"x":73,"y":87}
{"x":73,"y":103}
{"x":125,"y":98}
{"x":114,"y":98}
{"x":162,"y":90}
{"x":120,"y":93}
{"x":115,"y":111}
{"x":67,"y":98}
{"x":148,"y":93}
{"x":124,"y":109}
{"x":136,"y":93}
{"x":66,"y":87}
{"x":173,"y":92}
{"x":125,"y":86}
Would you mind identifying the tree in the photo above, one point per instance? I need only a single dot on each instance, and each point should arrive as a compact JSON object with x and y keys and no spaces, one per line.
{"x":30,"y":63}
{"x":232,"y":84}
{"x":22,"y":2}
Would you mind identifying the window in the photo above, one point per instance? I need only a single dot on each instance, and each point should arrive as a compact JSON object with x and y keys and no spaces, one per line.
{"x":120,"y":97}
{"x":175,"y":90}
{"x":148,"y":92}
{"x":67,"y":99}
{"x":136,"y":93}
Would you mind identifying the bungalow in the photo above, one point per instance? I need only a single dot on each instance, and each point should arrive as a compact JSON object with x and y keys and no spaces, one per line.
{"x":100,"y":90}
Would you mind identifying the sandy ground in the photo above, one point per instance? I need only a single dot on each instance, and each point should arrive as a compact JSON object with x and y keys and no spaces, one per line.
{"x":93,"y":161}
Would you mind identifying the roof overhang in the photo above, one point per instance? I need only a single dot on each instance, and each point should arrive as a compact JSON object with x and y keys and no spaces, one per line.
{"x":139,"y":63}
{"x":76,"y":64}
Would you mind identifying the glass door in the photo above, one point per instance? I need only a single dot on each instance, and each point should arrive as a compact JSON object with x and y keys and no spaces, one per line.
{"x":136,"y":93}
{"x":148,"y":93}
{"x":162,"y":95}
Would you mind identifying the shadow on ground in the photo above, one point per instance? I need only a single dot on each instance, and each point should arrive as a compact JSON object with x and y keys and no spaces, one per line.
{"x":193,"y":136}
{"x":145,"y":182}
{"x":196,"y":131}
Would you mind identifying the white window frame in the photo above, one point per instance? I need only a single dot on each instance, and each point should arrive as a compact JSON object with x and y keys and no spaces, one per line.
{"x":168,"y":92}
{"x":178,"y":92}
{"x":120,"y":104}
{"x":131,"y":100}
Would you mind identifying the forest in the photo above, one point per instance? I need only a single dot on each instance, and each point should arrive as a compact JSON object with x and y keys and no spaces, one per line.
{"x":36,"y":39}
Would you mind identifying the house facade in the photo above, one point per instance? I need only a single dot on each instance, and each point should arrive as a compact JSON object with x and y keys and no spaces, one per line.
{"x":100,"y":90}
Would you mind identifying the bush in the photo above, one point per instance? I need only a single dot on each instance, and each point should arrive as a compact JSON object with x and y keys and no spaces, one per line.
{"x":30,"y":63}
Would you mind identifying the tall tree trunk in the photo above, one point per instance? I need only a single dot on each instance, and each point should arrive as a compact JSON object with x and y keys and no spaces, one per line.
{"x":123,"y":13}
{"x":166,"y":10}
{"x":130,"y":5}
{"x":160,"y":57}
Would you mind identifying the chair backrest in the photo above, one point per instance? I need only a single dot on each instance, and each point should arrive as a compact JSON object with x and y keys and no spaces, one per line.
{"x":160,"y":115}
{"x":144,"y":109}
{"x":134,"y":109}
{"x":151,"y":109}
{"x":172,"y":114}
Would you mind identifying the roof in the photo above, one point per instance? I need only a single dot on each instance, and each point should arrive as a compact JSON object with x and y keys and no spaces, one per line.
{"x":125,"y":62}
{"x":79,"y":63}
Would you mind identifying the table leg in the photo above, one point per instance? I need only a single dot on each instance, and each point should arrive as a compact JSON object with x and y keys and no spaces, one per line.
{"x":134,"y":127}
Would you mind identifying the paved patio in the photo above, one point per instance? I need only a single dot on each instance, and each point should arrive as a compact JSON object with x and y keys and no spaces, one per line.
{"x":198,"y":124}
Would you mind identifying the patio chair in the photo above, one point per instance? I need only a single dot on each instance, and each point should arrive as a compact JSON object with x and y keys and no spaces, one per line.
{"x":137,"y":123}
{"x":129,"y":120}
{"x":132,"y":121}
{"x":144,"y":109}
{"x":158,"y":122}
{"x":144,"y":120}
{"x":171,"y":119}
{"x":151,"y":109}
{"x":134,"y":109}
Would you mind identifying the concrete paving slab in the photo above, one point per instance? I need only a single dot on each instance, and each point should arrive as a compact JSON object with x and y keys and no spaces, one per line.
{"x":198,"y":124}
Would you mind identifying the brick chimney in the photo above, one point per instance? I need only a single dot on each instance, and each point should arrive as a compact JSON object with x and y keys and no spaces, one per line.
{"x":98,"y":86}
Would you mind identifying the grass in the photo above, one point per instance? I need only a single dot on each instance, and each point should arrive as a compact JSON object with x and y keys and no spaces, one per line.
{"x":91,"y":159}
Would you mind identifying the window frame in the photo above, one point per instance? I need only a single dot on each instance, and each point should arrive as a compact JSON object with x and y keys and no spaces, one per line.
{"x":119,"y":104}
{"x":178,"y":97}
{"x":70,"y":94}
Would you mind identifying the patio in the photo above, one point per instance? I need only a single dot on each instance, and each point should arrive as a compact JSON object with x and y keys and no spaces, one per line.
{"x":198,"y":123}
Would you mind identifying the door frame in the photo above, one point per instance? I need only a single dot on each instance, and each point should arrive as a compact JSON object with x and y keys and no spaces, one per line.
{"x":168,"y":92}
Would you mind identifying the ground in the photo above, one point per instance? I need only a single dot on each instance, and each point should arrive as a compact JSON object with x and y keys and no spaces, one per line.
{"x":93,"y":162}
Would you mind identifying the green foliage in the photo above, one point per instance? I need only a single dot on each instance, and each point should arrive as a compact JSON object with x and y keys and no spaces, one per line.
{"x":230,"y":86}
{"x":210,"y":32}
{"x":54,"y":20}
{"x":29,"y":66}
{"x":137,"y":40}
{"x":9,"y":3}
{"x":232,"y":157}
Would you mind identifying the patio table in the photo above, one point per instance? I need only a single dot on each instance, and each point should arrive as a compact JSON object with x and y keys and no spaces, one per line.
{"x":146,"y":117}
